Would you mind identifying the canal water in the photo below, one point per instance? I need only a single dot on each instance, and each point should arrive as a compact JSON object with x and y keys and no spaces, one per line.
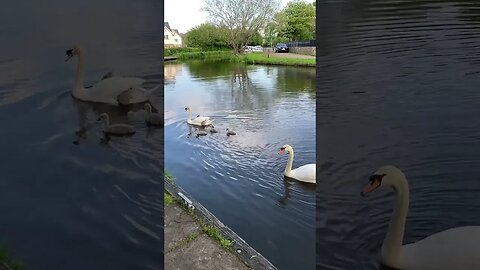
{"x":399,"y":84}
{"x":87,"y":205}
{"x":240,"y":178}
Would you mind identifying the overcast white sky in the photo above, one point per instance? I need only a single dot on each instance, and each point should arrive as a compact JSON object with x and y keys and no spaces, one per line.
{"x":185,"y":14}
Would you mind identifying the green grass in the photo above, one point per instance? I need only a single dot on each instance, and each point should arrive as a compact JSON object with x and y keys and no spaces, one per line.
{"x":190,"y":50}
{"x":168,"y":175}
{"x":215,"y":234}
{"x":209,"y":230}
{"x":167,"y":198}
{"x":174,"y":51}
{"x":192,"y":236}
{"x":257,"y":58}
{"x":207,"y":55}
{"x":262,"y":59}
{"x":6,"y":258}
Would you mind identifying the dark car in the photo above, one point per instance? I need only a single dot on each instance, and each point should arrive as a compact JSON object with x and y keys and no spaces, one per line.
{"x":281,"y":47}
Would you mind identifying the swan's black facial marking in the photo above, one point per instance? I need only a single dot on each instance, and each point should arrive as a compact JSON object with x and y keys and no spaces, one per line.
{"x":186,"y":109}
{"x":375,"y":182}
{"x":69,"y":54}
{"x":376,"y":177}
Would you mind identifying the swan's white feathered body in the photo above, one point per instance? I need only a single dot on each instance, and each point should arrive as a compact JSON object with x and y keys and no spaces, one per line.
{"x":305,"y":173}
{"x":456,"y":248}
{"x":199,"y":120}
{"x":111,"y":90}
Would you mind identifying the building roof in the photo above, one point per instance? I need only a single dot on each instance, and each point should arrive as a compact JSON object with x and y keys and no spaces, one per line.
{"x":165,"y":24}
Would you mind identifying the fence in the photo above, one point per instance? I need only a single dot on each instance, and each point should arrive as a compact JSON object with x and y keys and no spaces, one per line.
{"x":309,"y":43}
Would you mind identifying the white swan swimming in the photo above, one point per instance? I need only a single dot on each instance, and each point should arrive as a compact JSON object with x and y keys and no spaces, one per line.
{"x":115,"y":129}
{"x":305,"y":173}
{"x":154,"y":119}
{"x":110,"y":89}
{"x":457,"y":248}
{"x":199,"y":120}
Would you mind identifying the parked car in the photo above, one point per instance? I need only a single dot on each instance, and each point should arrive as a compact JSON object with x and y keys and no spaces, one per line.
{"x":253,"y":49}
{"x":281,"y":47}
{"x":257,"y":48}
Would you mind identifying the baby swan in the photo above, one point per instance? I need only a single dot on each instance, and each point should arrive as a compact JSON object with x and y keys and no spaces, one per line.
{"x":201,"y":133}
{"x":230,"y":132}
{"x":115,"y":129}
{"x":152,"y":119}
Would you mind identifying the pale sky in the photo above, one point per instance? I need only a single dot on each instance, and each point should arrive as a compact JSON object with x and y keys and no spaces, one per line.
{"x":185,"y":14}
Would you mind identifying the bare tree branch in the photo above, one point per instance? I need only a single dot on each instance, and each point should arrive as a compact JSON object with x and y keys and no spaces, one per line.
{"x":243,"y":18}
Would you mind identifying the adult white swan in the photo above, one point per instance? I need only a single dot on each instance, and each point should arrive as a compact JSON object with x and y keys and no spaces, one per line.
{"x":111,"y":89}
{"x":199,"y":120}
{"x":305,"y":173}
{"x":457,"y":248}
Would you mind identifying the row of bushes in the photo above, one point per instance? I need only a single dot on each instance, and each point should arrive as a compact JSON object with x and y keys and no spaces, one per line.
{"x":177,"y":50}
{"x":224,"y":55}
{"x":181,"y":50}
{"x":251,"y":58}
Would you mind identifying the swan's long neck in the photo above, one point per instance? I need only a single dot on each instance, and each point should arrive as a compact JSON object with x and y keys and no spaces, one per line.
{"x":394,"y":239}
{"x":80,"y":73}
{"x":288,"y":169}
{"x":189,"y":117}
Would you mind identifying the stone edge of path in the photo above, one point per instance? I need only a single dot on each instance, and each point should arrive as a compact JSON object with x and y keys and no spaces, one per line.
{"x":242,"y":249}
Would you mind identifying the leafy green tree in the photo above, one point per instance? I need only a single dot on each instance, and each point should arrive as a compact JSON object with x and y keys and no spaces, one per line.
{"x":207,"y":36}
{"x":270,"y":33}
{"x":256,"y":39}
{"x":297,"y":21}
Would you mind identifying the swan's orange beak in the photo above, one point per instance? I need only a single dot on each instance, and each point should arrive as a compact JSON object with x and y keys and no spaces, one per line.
{"x":281,"y":151}
{"x":370,"y":187}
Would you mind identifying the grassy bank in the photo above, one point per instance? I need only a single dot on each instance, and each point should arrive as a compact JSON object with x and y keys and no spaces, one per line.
{"x":250,"y":58}
{"x":208,"y":55}
{"x":263,"y":59}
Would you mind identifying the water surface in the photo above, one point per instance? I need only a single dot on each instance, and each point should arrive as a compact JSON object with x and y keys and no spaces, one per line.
{"x":240,"y":178}
{"x":88,"y":205}
{"x":399,"y":85}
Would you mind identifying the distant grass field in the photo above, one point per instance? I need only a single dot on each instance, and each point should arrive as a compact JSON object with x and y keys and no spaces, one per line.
{"x":257,"y":58}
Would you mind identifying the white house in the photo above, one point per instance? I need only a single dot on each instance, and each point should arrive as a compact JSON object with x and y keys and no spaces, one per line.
{"x":171,"y":37}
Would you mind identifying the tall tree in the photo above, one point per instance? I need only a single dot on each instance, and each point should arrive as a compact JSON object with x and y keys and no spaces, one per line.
{"x":299,"y":21}
{"x":207,"y":36}
{"x":242,"y":18}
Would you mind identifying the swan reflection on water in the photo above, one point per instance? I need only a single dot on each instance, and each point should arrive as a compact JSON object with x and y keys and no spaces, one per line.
{"x":288,"y":185}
